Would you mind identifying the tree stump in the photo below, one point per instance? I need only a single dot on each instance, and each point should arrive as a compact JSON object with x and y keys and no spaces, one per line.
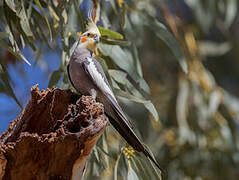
{"x":52,"y":138}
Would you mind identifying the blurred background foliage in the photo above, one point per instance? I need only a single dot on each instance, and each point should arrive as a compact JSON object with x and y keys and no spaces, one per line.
{"x":173,"y":66}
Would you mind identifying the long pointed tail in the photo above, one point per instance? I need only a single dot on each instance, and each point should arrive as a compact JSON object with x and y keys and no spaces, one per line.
{"x":147,"y":154}
{"x":128,"y":134}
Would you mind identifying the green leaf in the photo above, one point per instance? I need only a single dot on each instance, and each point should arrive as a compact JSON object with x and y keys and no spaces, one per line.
{"x":2,"y":89}
{"x":121,"y":58}
{"x":106,"y":150}
{"x":37,"y":19}
{"x":123,"y":15}
{"x":231,"y":12}
{"x":11,"y":5}
{"x":152,"y":110}
{"x":148,"y":104}
{"x":55,"y":77}
{"x":45,"y":17}
{"x":80,"y":15}
{"x":18,"y":54}
{"x":24,"y":20}
{"x":124,"y":60}
{"x":116,"y":166}
{"x":65,"y":81}
{"x":119,"y":76}
{"x":6,"y":85}
{"x":141,"y":170}
{"x":115,"y":41}
{"x":137,"y":61}
{"x":131,"y":174}
{"x":110,"y":34}
{"x":3,"y":35}
{"x":96,"y":154}
{"x":161,"y":31}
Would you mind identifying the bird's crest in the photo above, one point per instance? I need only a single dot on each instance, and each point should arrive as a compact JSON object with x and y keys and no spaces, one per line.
{"x":91,"y":27}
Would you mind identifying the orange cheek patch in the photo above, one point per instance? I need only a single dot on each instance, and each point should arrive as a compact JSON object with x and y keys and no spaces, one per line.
{"x":83,"y":39}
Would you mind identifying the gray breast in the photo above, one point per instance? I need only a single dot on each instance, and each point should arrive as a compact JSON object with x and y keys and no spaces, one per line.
{"x":78,"y":77}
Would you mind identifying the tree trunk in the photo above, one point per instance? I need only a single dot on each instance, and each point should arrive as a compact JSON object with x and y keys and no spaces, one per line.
{"x":52,"y":138}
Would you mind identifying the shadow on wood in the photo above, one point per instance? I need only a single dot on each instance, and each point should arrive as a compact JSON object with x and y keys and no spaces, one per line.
{"x":52,"y":137}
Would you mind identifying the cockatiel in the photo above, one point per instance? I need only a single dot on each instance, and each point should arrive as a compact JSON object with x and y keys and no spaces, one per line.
{"x":87,"y":77}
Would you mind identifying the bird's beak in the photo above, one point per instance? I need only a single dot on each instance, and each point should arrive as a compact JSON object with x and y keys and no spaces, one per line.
{"x":97,"y":39}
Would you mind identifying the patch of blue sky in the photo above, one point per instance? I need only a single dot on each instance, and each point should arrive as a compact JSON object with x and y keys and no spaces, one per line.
{"x":23,"y":77}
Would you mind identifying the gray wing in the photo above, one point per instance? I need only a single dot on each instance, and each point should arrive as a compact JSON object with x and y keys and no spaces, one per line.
{"x":96,"y":73}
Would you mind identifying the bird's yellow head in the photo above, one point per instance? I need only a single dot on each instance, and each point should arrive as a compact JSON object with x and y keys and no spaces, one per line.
{"x":91,"y":37}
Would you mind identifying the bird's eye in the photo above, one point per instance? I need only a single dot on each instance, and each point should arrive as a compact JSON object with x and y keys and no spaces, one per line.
{"x":88,"y":34}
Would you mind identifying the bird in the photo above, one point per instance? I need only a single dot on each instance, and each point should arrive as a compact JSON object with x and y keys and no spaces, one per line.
{"x":88,"y":78}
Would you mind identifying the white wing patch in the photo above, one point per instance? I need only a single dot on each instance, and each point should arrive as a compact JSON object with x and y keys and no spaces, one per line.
{"x":98,"y":78}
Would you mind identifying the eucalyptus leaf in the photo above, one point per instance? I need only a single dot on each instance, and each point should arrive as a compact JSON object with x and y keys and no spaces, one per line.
{"x":110,"y":34}
{"x":123,"y":16}
{"x":152,"y":110}
{"x":10,"y":4}
{"x":148,"y":104}
{"x":131,"y":174}
{"x":24,"y":20}
{"x":231,"y":12}
{"x":119,"y":76}
{"x":3,"y":35}
{"x":115,"y":41}
{"x":96,"y":153}
{"x":45,"y":17}
{"x":161,"y":31}
{"x":7,"y":87}
{"x":116,"y":167}
{"x":120,"y":57}
{"x":55,"y":77}
{"x":18,"y":55}
{"x":65,"y":81}
{"x":2,"y":88}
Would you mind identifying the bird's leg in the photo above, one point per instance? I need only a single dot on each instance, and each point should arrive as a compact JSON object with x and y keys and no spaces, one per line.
{"x":93,"y":93}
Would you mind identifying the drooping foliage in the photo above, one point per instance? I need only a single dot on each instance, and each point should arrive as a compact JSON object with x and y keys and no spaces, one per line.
{"x":152,"y":54}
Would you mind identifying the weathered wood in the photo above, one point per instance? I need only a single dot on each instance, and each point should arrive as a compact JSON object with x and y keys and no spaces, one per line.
{"x":52,"y":138}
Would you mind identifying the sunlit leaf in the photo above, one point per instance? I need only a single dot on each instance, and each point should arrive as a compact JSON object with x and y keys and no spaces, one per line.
{"x":231,"y":11}
{"x":11,"y":5}
{"x":116,"y":167}
{"x":152,"y":110}
{"x":131,"y":174}
{"x":115,"y":41}
{"x":24,"y":20}
{"x":209,"y":48}
{"x":110,"y":34}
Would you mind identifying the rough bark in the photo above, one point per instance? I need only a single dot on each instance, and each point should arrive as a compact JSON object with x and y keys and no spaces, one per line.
{"x":52,"y":137}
